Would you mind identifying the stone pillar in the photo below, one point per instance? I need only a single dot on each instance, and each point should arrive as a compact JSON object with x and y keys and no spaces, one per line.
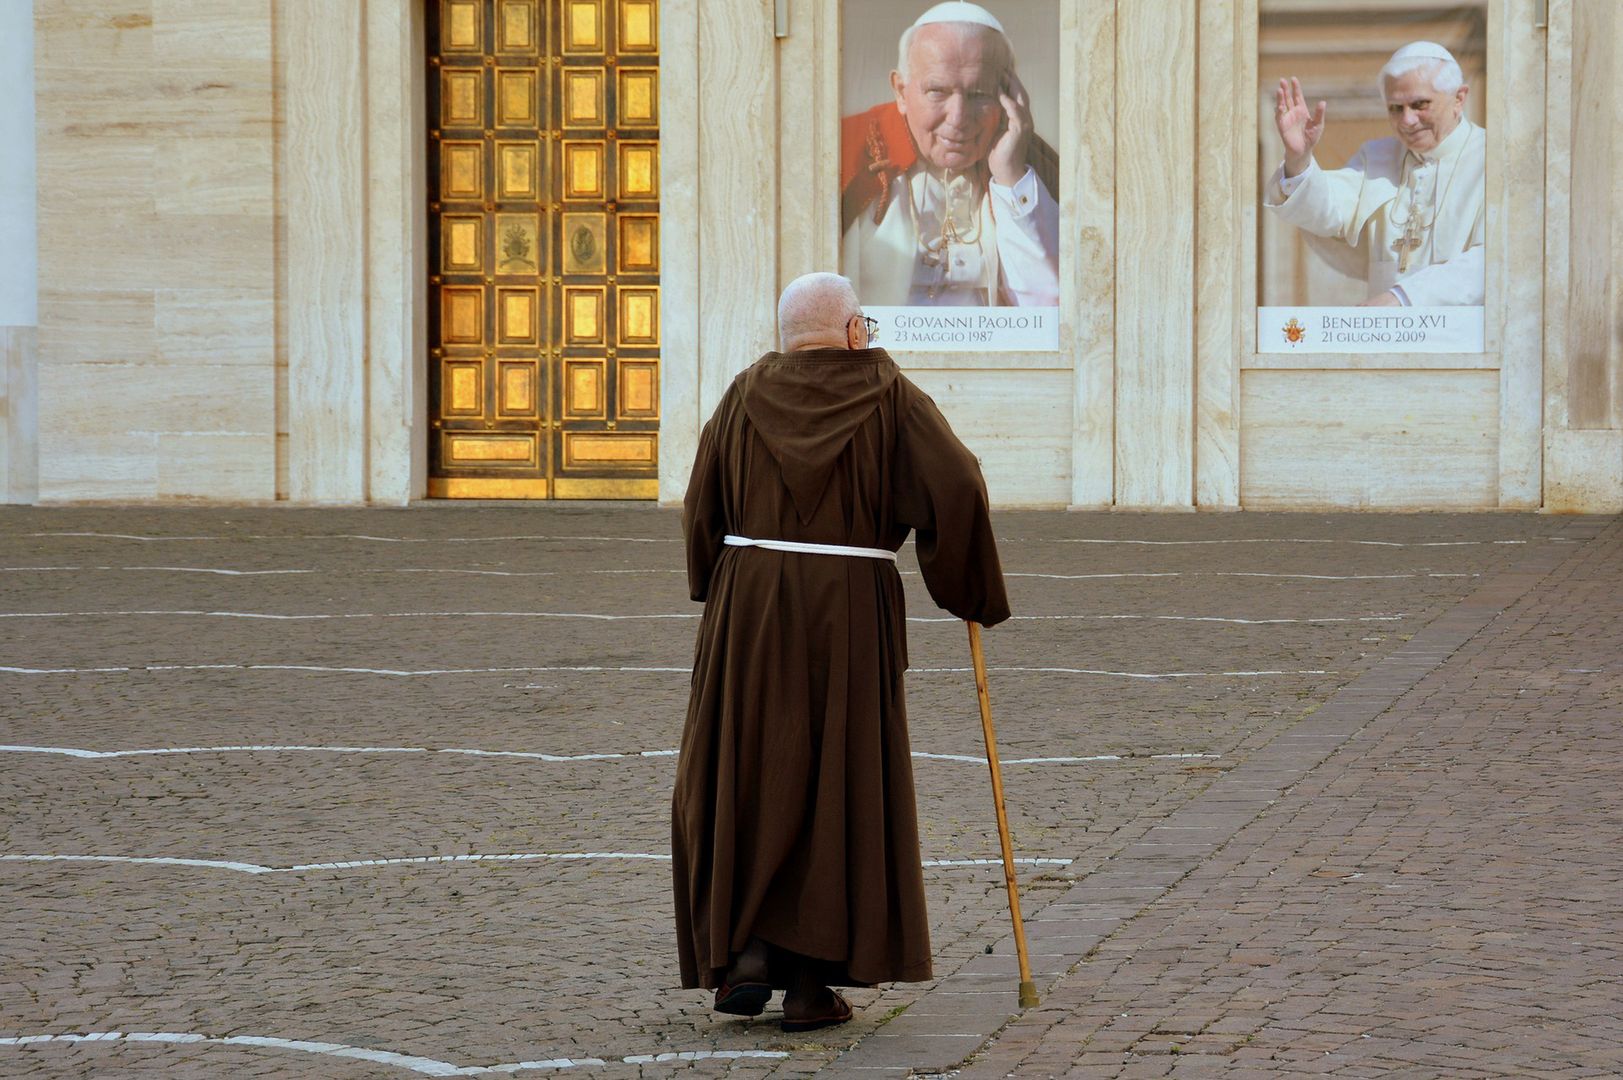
{"x":1583,"y":375}
{"x":19,"y":277}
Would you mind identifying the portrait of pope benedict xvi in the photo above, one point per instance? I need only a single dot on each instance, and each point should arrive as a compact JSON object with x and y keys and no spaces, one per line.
{"x":1407,"y":213}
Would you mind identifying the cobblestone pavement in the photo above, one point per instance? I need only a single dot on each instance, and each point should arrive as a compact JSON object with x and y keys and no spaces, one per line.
{"x":1443,"y":896}
{"x":1312,"y":788}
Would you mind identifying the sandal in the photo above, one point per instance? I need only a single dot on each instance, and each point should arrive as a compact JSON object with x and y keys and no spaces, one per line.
{"x":838,"y":1015}
{"x":745,"y":999}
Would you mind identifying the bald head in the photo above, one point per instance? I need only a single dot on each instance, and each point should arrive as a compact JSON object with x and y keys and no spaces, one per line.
{"x":814,"y":310}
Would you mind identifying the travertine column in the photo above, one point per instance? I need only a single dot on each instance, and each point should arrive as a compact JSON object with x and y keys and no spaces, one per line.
{"x":19,"y":285}
{"x":1583,"y":356}
{"x":719,"y":211}
{"x":1155,"y":254}
{"x":396,"y":256}
{"x":322,"y":279}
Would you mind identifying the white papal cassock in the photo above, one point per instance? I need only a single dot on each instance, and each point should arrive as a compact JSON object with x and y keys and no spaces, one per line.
{"x":1354,"y":215}
{"x":1010,"y":255}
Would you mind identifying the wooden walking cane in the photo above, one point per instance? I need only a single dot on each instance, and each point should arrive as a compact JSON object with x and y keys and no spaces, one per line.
{"x":1028,"y":989}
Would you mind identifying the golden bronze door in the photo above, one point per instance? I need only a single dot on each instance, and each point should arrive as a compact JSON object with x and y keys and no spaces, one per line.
{"x":543,"y":176}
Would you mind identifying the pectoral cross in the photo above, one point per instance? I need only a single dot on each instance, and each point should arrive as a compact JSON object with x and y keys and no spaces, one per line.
{"x":1407,"y":244}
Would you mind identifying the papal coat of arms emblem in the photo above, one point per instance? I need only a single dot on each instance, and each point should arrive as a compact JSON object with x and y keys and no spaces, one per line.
{"x":1294,"y":332}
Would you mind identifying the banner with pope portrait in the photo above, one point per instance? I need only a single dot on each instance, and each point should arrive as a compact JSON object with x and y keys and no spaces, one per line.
{"x":949,"y":179}
{"x":1373,"y":192}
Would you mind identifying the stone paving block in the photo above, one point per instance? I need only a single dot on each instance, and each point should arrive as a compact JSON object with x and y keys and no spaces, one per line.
{"x":1059,"y":952}
{"x":915,"y":1051}
{"x":1199,"y":1068}
{"x":1004,"y":964}
{"x":992,"y":1004}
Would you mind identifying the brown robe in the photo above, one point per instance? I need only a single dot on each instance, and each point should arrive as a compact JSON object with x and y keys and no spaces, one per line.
{"x":793,"y":817}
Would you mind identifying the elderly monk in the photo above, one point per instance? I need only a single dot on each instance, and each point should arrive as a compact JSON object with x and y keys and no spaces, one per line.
{"x":794,"y":832}
{"x":1407,"y":213}
{"x":946,"y":195}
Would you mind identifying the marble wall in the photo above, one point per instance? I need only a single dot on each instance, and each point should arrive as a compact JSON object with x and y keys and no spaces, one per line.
{"x":1157,"y":397}
{"x":230,"y":281}
{"x":19,"y":276}
{"x":231,"y":264}
{"x":157,"y":250}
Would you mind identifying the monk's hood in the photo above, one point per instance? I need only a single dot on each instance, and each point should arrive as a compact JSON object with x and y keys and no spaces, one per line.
{"x":806,"y":407}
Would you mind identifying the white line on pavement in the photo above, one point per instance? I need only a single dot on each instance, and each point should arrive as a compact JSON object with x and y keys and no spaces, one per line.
{"x":367,"y":570}
{"x":1240,"y":573}
{"x":1180,"y":618}
{"x":1116,"y":674}
{"x":318,"y":616}
{"x":677,"y":539}
{"x":348,"y":615}
{"x":428,"y":860}
{"x":574,"y":573}
{"x":325,"y":670}
{"x":320,"y":669}
{"x":269,"y":748}
{"x":421,"y":860}
{"x":930,"y":863}
{"x":1081,"y":760}
{"x":375,"y":539}
{"x":1262,"y":540}
{"x":971,"y":759}
{"x":167,"y":569}
{"x":425,"y":1066}
{"x":1091,"y":577}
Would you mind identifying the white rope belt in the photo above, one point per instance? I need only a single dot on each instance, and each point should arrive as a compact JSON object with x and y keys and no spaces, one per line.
{"x":812,"y":549}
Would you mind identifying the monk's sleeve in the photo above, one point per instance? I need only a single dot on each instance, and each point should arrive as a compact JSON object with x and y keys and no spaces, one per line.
{"x":940,"y":493}
{"x":704,"y":514}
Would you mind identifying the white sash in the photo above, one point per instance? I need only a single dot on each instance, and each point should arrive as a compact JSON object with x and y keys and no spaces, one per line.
{"x":811,"y":549}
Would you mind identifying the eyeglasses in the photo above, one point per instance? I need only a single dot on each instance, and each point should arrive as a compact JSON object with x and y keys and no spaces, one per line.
{"x":872,"y":326}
